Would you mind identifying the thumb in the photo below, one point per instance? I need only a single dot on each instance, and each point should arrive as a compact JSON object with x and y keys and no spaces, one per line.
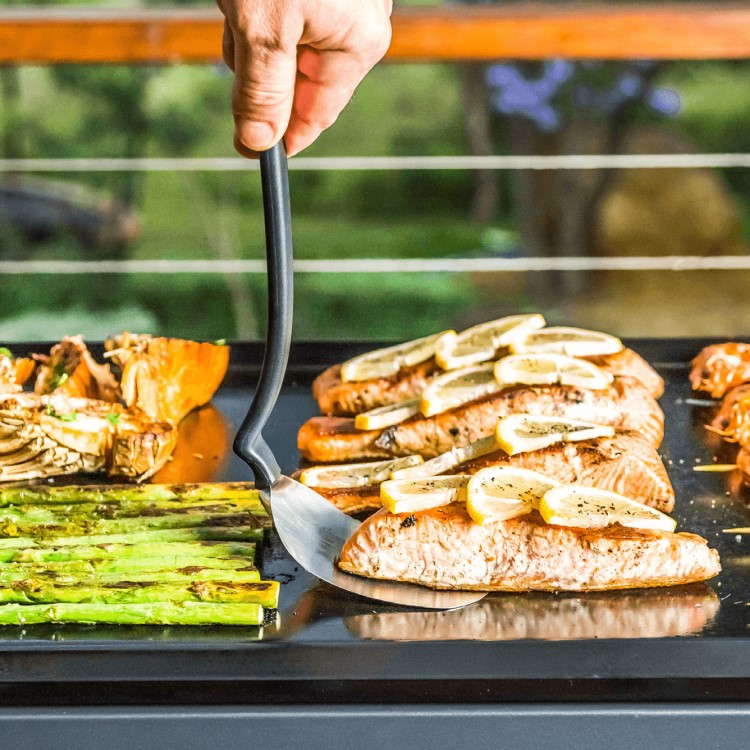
{"x":263,"y":92}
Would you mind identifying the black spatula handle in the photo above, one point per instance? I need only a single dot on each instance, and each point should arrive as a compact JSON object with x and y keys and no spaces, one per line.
{"x":249,"y":444}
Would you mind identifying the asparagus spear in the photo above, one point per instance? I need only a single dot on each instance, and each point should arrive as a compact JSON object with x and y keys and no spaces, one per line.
{"x":123,"y":568}
{"x":197,"y":534}
{"x":157,"y":613}
{"x":125,"y":551}
{"x":184,"y":575}
{"x":95,"y":511}
{"x":35,"y":526}
{"x":127,"y":508}
{"x":130,"y":509}
{"x":265,"y":593}
{"x":230,"y":491}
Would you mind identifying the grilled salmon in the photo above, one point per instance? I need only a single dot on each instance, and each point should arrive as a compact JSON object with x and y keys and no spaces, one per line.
{"x":626,"y":405}
{"x":652,"y":613}
{"x":625,"y":463}
{"x":347,"y":399}
{"x":444,"y":549}
{"x":720,"y":367}
{"x":734,"y":413}
{"x":335,"y":397}
{"x":628,"y":363}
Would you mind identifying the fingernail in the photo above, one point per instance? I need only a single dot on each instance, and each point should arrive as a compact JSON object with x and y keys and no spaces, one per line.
{"x":256,"y":135}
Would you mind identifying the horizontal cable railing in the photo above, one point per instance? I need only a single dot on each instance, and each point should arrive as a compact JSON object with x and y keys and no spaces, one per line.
{"x":526,"y":31}
{"x":385,"y":163}
{"x":383,"y":265}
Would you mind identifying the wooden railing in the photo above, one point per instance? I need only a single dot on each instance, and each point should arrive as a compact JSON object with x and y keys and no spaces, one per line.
{"x":604,"y":31}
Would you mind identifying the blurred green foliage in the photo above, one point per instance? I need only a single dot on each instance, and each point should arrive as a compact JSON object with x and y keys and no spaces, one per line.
{"x":77,"y":111}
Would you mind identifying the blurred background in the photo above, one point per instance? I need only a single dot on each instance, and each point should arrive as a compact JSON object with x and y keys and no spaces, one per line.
{"x":593,"y":242}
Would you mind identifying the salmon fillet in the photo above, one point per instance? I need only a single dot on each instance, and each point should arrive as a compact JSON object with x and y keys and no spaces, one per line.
{"x":652,"y":613}
{"x":720,"y":367}
{"x":335,"y":397}
{"x":732,"y":421}
{"x":347,"y":399}
{"x":444,"y":549}
{"x":734,"y":412}
{"x":625,"y":463}
{"x":626,"y":405}
{"x":628,"y":363}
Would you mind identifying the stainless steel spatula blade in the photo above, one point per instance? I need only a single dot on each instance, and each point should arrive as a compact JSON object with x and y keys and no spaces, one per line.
{"x":314,"y":531}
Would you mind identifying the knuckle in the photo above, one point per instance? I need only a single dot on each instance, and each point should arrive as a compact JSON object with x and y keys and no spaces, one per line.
{"x":265,"y":47}
{"x":253,"y":96}
{"x":374,"y":41}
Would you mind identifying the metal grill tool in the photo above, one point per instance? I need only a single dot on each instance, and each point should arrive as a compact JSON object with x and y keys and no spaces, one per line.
{"x":311,"y":528}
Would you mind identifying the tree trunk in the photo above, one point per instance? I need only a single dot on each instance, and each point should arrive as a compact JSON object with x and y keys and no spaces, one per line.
{"x":478,"y":128}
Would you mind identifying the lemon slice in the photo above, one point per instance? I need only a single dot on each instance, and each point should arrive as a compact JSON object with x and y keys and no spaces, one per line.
{"x":411,"y":495}
{"x":386,"y":416}
{"x":498,"y":493}
{"x":458,"y":387}
{"x":591,"y":508}
{"x":447,"y":461}
{"x":479,"y":343}
{"x":355,"y":475}
{"x":575,"y":342}
{"x":548,"y":368}
{"x":521,"y":433}
{"x":382,"y":363}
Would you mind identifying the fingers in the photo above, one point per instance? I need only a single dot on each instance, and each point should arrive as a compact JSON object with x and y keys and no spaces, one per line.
{"x":334,"y":44}
{"x":325,"y":84}
{"x":265,"y":69}
{"x":326,"y":81}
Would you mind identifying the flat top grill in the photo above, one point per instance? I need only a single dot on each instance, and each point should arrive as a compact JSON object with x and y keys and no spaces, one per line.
{"x":681,"y":643}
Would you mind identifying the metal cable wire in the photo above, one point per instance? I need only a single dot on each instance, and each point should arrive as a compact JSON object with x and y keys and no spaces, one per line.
{"x":381,"y":265}
{"x":385,"y":163}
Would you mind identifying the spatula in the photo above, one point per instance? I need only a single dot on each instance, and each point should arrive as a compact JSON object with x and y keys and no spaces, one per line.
{"x":311,"y":528}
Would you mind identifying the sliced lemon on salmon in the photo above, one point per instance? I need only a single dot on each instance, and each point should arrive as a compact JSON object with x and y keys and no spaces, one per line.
{"x":574,"y":342}
{"x":521,"y":433}
{"x":355,"y":475}
{"x":412,"y":495}
{"x":386,"y":416}
{"x":449,"y":460}
{"x":591,"y":508}
{"x":383,"y":363}
{"x":547,"y":368}
{"x":458,"y":387}
{"x":479,"y":343}
{"x":498,"y":493}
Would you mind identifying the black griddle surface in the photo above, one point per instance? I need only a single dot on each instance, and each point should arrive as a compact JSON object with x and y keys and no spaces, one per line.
{"x":687,"y":643}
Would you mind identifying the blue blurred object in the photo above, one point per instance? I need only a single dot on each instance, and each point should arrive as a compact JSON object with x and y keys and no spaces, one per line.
{"x":532,"y":98}
{"x":542,"y":98}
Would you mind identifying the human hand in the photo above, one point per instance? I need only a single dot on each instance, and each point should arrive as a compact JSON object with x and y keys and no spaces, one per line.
{"x":296,"y":64}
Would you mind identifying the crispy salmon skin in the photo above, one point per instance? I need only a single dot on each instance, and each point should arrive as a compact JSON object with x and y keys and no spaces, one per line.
{"x":336,"y":398}
{"x":626,"y":405}
{"x":444,"y":549}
